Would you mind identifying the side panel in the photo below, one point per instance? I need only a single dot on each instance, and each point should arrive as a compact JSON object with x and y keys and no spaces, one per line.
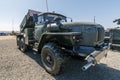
{"x":39,"y":29}
{"x":90,"y":35}
{"x":101,"y":33}
{"x":62,"y":39}
{"x":28,"y":35}
{"x":116,"y":36}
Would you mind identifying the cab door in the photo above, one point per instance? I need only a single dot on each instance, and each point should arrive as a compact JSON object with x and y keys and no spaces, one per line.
{"x":39,"y":27}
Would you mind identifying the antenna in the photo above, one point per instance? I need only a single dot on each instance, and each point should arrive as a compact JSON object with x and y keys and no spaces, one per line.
{"x":47,"y":5}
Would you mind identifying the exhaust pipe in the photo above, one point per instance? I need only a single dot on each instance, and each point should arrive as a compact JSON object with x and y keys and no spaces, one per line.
{"x":88,"y":65}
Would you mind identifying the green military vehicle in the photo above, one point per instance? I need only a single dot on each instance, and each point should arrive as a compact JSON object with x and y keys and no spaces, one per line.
{"x":53,"y":37}
{"x":115,"y":38}
{"x":115,"y":35}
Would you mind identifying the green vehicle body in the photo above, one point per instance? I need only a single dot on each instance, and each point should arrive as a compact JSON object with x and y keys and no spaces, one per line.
{"x":39,"y":29}
{"x":115,"y":37}
{"x":89,"y":34}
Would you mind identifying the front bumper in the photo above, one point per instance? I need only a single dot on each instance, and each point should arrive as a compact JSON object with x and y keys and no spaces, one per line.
{"x":96,"y":56}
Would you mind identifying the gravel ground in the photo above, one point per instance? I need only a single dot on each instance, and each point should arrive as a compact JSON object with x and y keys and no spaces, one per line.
{"x":15,"y":65}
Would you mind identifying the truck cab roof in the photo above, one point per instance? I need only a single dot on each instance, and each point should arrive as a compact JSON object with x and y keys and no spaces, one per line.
{"x":53,"y":13}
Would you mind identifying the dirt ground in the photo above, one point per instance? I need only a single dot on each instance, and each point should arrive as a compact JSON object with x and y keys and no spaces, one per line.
{"x":15,"y":65}
{"x":6,"y":37}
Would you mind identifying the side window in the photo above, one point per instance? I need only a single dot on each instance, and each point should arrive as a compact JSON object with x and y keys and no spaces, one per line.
{"x":40,"y":20}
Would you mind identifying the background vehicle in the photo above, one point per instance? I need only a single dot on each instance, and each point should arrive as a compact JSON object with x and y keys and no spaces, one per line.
{"x":3,"y":33}
{"x":115,"y":35}
{"x":115,"y":38}
{"x":108,"y":36}
{"x":53,"y":37}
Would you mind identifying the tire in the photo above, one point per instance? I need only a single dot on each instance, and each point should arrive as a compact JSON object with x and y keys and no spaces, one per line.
{"x":51,"y":58}
{"x":18,"y":42}
{"x":23,"y":46}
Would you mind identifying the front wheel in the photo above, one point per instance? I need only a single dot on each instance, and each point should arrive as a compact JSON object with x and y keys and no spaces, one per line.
{"x":51,"y":58}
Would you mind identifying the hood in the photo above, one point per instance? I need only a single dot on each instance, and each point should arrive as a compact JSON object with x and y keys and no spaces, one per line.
{"x":78,"y":26}
{"x":78,"y":23}
{"x":69,"y":26}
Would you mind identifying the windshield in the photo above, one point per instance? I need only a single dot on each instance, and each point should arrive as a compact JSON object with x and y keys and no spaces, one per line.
{"x":107,"y":33}
{"x":52,"y":17}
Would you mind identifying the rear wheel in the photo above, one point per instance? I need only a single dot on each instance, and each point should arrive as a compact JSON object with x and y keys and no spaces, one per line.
{"x":23,"y":46}
{"x":18,"y":42}
{"x":52,"y":58}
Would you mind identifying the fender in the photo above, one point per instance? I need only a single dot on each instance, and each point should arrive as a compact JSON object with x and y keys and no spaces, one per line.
{"x":61,"y":39}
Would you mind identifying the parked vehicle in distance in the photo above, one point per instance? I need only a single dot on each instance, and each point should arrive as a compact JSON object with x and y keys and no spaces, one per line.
{"x":3,"y":34}
{"x":115,"y":35}
{"x":54,"y":38}
{"x":108,"y":36}
{"x":115,"y":38}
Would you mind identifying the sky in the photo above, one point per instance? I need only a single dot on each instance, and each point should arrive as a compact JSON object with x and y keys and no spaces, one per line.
{"x":12,"y":12}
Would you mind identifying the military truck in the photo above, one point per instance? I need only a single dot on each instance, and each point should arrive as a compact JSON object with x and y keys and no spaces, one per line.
{"x":115,"y":35}
{"x":54,"y":38}
{"x":115,"y":38}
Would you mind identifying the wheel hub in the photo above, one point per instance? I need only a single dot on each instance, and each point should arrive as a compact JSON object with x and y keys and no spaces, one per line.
{"x":49,"y":59}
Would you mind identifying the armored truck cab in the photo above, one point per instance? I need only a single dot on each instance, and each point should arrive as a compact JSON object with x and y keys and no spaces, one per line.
{"x":53,"y":37}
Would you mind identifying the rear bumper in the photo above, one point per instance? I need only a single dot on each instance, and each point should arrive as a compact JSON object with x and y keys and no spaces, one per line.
{"x":95,"y":57}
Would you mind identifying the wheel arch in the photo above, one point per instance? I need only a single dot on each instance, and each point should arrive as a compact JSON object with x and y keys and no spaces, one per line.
{"x":46,"y":38}
{"x":51,"y":49}
{"x":18,"y":37}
